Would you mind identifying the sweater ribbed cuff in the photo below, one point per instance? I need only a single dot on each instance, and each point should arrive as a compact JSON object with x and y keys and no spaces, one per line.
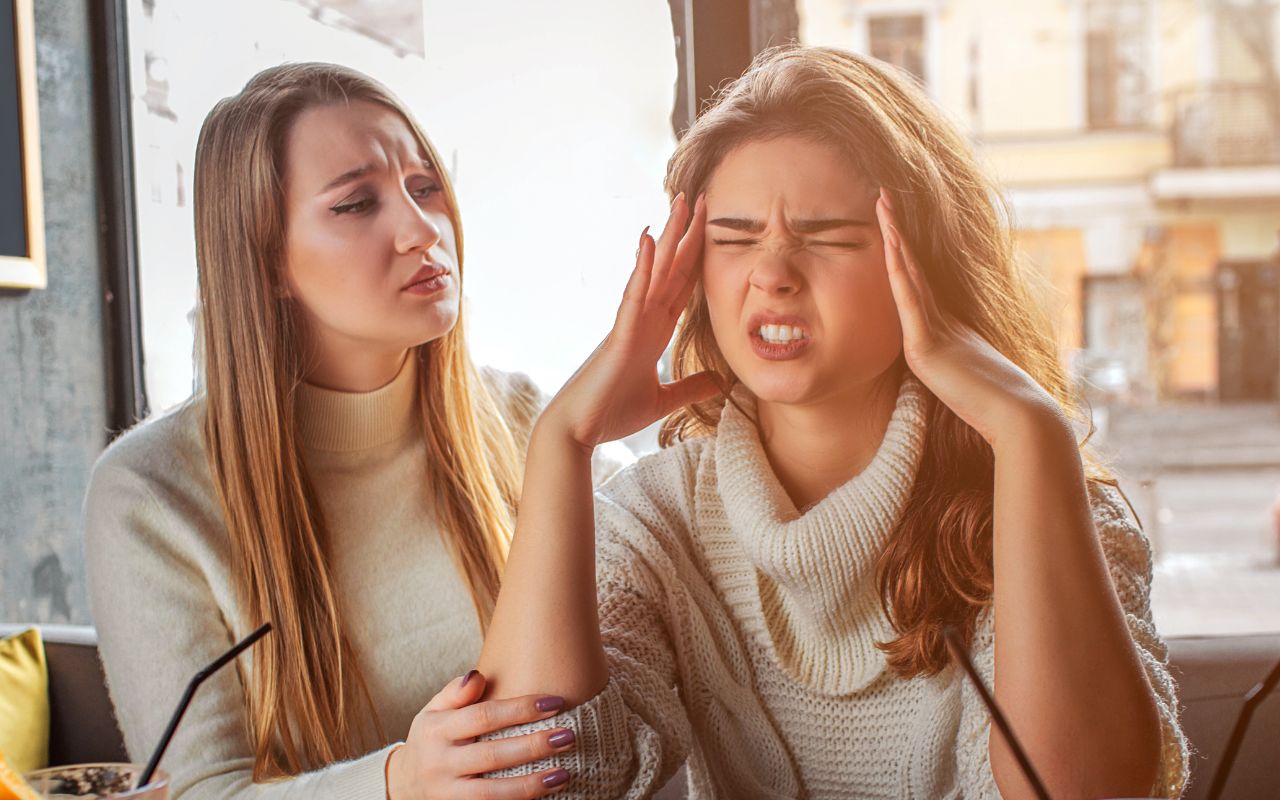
{"x":363,"y":778}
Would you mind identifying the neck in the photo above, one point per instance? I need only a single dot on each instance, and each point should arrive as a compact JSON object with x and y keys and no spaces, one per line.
{"x":818,"y":446}
{"x":355,"y":370}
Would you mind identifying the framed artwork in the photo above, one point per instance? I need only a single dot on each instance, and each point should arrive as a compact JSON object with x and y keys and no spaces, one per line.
{"x":22,"y":253}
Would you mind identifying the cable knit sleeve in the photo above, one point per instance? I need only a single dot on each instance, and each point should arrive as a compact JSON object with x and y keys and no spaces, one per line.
{"x":1129,"y":561}
{"x":1128,"y":556}
{"x":634,"y":735}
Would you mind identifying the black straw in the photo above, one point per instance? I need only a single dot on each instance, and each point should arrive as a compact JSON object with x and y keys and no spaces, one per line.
{"x":1252,"y":700}
{"x":957,"y":648}
{"x":223,"y":660}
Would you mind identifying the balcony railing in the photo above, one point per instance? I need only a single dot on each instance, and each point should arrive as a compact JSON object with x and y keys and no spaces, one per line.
{"x":1226,"y":125}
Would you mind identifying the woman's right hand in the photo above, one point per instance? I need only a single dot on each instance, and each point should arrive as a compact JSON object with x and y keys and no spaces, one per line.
{"x":442,"y":759}
{"x":616,"y":392}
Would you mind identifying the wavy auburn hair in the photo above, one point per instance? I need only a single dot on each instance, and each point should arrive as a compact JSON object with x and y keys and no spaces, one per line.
{"x":308,"y":703}
{"x":937,"y":569}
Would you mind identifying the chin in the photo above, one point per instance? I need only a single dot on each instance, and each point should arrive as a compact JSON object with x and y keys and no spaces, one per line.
{"x":435,"y":322}
{"x":774,"y":385}
{"x":422,"y":334}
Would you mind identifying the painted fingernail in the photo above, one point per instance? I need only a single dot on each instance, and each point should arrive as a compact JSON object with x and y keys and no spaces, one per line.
{"x":702,"y":202}
{"x":554,"y":778}
{"x":467,"y":678}
{"x":562,"y":738}
{"x":678,"y":199}
{"x":549,"y":703}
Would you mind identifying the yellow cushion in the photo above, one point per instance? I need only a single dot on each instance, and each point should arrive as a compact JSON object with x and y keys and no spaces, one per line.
{"x":24,"y":702}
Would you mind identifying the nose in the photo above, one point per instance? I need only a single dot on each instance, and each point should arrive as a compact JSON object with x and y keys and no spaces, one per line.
{"x":415,"y":229}
{"x":775,"y":275}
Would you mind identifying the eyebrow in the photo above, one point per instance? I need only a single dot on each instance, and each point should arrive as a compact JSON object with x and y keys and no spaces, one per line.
{"x":348,"y":176}
{"x":364,"y":169}
{"x":799,"y":225}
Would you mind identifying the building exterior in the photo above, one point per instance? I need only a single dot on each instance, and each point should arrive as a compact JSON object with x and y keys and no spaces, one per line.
{"x":1139,"y":144}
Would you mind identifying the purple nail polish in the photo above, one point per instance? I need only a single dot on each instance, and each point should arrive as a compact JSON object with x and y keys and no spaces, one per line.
{"x":467,"y":678}
{"x":554,"y":778}
{"x":562,"y":738}
{"x":549,"y":703}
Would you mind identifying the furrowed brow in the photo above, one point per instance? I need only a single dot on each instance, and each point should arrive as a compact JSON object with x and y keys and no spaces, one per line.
{"x":739,"y":224}
{"x":348,"y":176}
{"x":823,"y":225}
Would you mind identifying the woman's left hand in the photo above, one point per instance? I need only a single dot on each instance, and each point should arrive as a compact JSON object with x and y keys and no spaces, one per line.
{"x":983,"y":387}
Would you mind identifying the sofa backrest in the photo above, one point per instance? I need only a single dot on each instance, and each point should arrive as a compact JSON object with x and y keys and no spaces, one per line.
{"x":1213,"y":675}
{"x":82,"y":723}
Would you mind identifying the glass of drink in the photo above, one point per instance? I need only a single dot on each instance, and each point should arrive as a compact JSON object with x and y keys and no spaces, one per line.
{"x":97,"y":781}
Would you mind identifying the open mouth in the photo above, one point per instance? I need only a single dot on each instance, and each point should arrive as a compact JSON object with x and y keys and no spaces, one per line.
{"x":778,"y":339}
{"x":780,"y":334}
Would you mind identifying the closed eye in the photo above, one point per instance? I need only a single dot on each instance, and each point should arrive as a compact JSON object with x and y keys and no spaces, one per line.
{"x":736,"y":241}
{"x":355,"y":207}
{"x":843,"y":245}
{"x":425,"y":189}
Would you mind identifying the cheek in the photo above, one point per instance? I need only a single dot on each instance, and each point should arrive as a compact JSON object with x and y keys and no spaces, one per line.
{"x":868,"y":318}
{"x":334,"y":274}
{"x":322,"y":259}
{"x":725,"y":293}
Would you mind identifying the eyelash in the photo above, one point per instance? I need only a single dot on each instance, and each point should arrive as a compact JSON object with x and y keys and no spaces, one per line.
{"x":361,"y":206}
{"x":840,"y":245}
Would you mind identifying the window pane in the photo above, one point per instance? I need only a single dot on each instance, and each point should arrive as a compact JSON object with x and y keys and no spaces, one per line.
{"x":900,"y":41}
{"x":557,"y":143}
{"x":1117,"y":59}
{"x":1158,"y":240}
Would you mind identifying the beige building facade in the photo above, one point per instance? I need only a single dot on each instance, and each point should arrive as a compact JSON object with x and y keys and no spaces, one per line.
{"x":1138,"y":142}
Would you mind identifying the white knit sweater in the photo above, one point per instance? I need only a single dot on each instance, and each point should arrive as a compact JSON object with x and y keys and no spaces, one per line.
{"x":741,"y":635}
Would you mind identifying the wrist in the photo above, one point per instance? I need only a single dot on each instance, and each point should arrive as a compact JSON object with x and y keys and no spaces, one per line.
{"x":553,"y":431}
{"x":1037,"y":428}
{"x":395,"y":786}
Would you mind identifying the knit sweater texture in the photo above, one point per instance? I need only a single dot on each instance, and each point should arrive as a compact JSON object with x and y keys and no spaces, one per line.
{"x":164,"y":597}
{"x":740,"y":635}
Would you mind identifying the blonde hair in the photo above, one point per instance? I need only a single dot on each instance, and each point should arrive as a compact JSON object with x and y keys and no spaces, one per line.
{"x":937,"y":569}
{"x":308,"y":703}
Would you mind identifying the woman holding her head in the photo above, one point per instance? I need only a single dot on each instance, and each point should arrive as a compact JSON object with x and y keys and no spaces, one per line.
{"x":869,"y":440}
{"x":345,"y":474}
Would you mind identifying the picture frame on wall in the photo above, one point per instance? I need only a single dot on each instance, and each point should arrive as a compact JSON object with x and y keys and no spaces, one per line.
{"x":22,"y":246}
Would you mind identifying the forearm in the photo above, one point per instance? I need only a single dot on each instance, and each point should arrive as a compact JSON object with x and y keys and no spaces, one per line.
{"x":545,"y":632}
{"x":1066,"y":673}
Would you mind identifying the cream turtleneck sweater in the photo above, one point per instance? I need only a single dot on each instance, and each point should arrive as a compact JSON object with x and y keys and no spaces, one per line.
{"x":741,"y":635}
{"x":164,"y":600}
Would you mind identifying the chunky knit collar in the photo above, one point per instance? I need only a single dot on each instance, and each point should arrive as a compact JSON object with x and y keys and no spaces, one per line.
{"x":334,"y":421}
{"x":815,"y":586}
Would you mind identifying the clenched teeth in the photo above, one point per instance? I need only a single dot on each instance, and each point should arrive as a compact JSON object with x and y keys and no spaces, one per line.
{"x":780,"y":334}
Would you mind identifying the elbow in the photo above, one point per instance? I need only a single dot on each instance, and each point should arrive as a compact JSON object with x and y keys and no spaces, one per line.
{"x":1124,"y":761}
{"x":1129,"y":768}
{"x":1135,"y":771}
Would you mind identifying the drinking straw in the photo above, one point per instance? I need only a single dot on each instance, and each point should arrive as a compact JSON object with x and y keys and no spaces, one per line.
{"x":1252,"y":699}
{"x":222,"y":660}
{"x":957,"y":648}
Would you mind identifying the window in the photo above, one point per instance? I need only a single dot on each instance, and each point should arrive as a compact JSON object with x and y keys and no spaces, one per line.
{"x":1116,"y":62}
{"x":900,"y":41}
{"x":557,"y":144}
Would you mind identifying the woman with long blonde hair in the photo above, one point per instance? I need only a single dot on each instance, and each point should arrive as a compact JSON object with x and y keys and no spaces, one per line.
{"x":869,"y":440}
{"x":345,"y":474}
